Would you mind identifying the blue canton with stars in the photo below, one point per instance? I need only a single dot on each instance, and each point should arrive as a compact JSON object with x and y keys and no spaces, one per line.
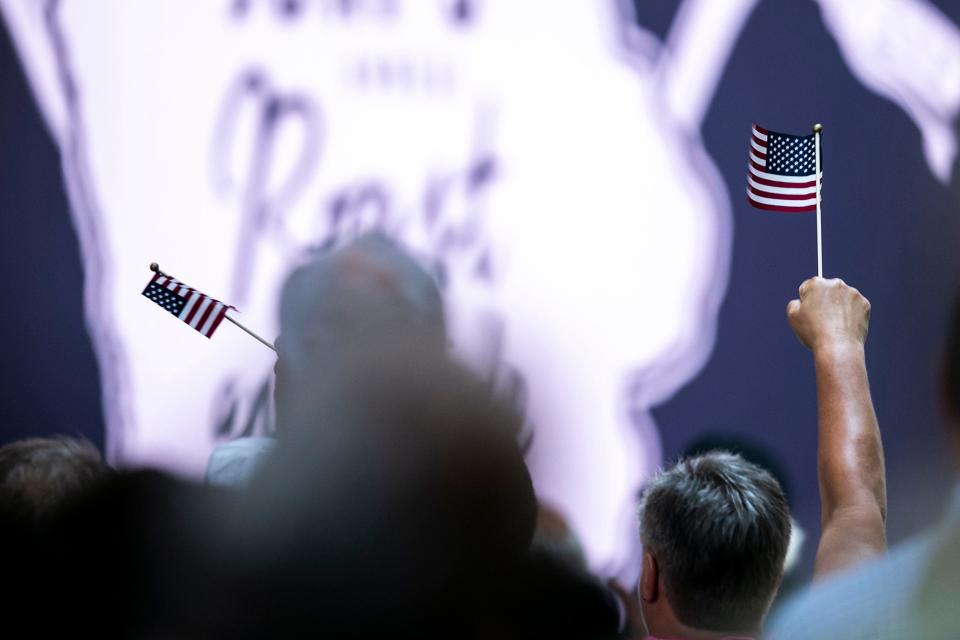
{"x":165,"y":298}
{"x":792,"y":155}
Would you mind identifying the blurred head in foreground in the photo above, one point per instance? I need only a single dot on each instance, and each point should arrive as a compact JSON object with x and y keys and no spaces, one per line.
{"x":138,"y":556}
{"x":335,"y":308}
{"x":397,"y":494}
{"x":715,"y":530}
{"x":41,"y":476}
{"x":395,"y":506}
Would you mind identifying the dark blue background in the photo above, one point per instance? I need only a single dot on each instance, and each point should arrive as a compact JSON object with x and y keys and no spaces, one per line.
{"x":50,"y":382}
{"x":889,"y":228}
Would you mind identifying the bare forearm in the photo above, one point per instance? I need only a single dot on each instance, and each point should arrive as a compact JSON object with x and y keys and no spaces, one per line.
{"x":850,"y":459}
{"x":850,"y":453}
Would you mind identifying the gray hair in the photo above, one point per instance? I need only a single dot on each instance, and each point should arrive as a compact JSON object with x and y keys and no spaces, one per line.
{"x":719,"y":527}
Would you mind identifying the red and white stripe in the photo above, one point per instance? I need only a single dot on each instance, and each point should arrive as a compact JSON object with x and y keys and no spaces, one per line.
{"x":201,"y":312}
{"x":772,"y":192}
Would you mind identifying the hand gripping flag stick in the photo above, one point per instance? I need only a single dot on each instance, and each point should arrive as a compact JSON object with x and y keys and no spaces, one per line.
{"x":196,"y":309}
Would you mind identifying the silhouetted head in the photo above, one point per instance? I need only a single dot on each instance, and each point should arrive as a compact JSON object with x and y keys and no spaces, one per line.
{"x":403,"y":505}
{"x":145,"y":542}
{"x":715,"y":530}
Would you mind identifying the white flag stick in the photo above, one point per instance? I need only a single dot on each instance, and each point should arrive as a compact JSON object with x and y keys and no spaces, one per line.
{"x":267,"y":344}
{"x":817,"y":128}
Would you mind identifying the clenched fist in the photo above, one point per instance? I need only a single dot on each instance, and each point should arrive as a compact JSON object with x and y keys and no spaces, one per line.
{"x":829,"y":314}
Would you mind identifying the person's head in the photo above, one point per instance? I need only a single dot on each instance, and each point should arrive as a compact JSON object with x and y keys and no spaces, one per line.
{"x":40,"y":476}
{"x":767,"y":458}
{"x":366,"y":293}
{"x":411,"y":474}
{"x":715,"y":530}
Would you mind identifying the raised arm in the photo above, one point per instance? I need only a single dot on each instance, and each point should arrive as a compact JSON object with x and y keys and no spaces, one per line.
{"x":831,"y":319}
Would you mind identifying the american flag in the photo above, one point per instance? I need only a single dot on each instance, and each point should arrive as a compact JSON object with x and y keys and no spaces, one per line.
{"x":198,"y":310}
{"x":783,"y":171}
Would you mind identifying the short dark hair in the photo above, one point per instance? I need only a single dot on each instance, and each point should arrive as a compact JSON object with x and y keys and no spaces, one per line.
{"x":39,"y":476}
{"x":719,"y":527}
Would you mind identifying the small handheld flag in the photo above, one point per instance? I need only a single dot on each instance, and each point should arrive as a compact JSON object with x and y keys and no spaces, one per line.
{"x":198,"y":310}
{"x":785,"y":174}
